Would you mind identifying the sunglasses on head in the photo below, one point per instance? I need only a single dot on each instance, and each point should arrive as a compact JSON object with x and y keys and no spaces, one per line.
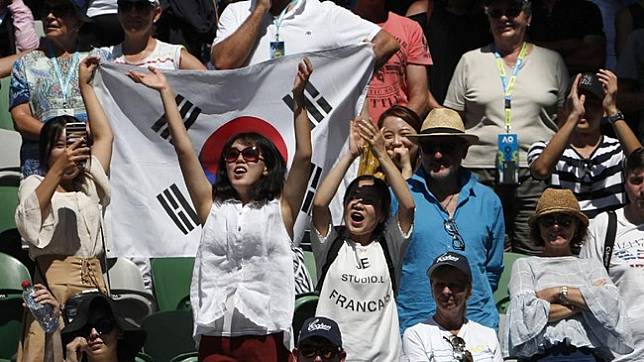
{"x":325,"y":352}
{"x":249,"y":154}
{"x":103,"y":326}
{"x":138,"y":5}
{"x":511,"y":12}
{"x":561,"y":220}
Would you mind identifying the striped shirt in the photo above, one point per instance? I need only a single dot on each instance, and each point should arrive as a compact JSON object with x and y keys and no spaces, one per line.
{"x":597,"y":182}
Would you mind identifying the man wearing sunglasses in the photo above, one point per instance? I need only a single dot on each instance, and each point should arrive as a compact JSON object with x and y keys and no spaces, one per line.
{"x":319,"y":340}
{"x":454,"y":213}
{"x":447,"y":335}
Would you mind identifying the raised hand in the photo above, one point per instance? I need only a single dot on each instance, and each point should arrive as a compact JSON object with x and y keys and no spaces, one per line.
{"x":372,"y":135}
{"x":73,"y":156}
{"x":304,"y":70}
{"x":608,"y":79}
{"x":355,"y":140}
{"x":575,"y":102}
{"x":87,"y":69}
{"x":154,"y":79}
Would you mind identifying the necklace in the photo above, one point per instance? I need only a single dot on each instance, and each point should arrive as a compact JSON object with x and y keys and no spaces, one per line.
{"x":445,"y":205}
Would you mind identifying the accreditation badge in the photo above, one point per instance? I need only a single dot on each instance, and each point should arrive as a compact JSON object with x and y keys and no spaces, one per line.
{"x":507,"y":162}
{"x":277,"y":49}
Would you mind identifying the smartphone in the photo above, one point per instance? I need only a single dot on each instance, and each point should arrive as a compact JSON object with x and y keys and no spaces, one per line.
{"x":74,"y":131}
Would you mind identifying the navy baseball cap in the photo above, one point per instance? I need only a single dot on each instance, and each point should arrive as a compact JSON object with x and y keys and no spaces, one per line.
{"x":454,"y":260}
{"x":589,"y":84}
{"x":321,"y":327}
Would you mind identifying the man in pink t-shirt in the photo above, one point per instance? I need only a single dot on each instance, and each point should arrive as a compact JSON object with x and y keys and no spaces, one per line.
{"x":403,"y":79}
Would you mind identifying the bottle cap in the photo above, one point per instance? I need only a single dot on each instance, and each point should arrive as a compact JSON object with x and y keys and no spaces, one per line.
{"x":25,"y":284}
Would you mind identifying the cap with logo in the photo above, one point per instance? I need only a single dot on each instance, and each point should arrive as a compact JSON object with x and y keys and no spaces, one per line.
{"x":454,"y":260}
{"x":321,"y":327}
{"x":589,"y":84}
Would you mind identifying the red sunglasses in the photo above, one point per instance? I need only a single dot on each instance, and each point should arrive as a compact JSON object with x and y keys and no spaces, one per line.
{"x":249,"y":154}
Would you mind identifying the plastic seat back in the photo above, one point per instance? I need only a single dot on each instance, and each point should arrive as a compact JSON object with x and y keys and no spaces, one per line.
{"x":502,"y":295}
{"x":12,"y":273}
{"x":171,"y":278}
{"x":169,"y":334}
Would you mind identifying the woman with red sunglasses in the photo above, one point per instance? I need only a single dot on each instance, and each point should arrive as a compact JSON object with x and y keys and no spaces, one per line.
{"x":242,"y":291}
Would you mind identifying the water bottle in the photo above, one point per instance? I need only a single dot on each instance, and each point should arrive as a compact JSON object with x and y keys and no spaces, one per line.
{"x":43,"y":313}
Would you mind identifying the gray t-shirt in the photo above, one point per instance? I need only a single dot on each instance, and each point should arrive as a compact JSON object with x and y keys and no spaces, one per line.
{"x":476,"y":90}
{"x":626,"y":271}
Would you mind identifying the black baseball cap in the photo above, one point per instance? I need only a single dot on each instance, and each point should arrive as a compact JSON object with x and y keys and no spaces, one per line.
{"x":454,"y":260}
{"x":589,"y":84}
{"x":321,"y":327}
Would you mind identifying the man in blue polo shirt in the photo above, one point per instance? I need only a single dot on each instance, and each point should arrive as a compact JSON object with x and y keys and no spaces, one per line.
{"x":454,"y":212}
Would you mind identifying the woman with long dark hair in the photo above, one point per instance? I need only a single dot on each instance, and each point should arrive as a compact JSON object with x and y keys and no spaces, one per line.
{"x":242,"y":291}
{"x":60,"y":214}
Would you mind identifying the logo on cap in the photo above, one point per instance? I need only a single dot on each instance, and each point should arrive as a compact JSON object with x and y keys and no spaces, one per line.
{"x":447,"y":257}
{"x":317,"y":325}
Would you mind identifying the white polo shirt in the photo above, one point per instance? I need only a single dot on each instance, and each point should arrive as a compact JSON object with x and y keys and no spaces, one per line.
{"x":309,"y":26}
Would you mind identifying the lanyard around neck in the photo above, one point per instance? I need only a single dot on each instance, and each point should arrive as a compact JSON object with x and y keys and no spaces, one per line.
{"x":280,"y":18}
{"x":64,"y":82}
{"x":508,"y":85}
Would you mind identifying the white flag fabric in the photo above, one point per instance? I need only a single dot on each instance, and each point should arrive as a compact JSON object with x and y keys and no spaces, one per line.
{"x":151,"y":214}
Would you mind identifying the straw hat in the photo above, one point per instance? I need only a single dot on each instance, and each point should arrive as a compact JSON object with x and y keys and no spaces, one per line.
{"x":558,"y":201}
{"x":444,"y":122}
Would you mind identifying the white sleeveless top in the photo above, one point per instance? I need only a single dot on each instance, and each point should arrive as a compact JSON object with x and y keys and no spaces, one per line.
{"x":243,"y":283}
{"x":164,"y":56}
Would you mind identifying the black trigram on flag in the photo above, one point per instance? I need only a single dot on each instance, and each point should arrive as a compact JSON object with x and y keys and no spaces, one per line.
{"x":189,"y":113}
{"x":316,"y":105}
{"x":314,"y":180}
{"x":178,"y":208}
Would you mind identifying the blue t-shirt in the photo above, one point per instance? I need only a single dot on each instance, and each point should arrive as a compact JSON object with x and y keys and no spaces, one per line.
{"x":479,"y":217}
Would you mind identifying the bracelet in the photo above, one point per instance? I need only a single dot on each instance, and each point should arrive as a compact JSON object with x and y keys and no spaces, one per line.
{"x":563,"y":295}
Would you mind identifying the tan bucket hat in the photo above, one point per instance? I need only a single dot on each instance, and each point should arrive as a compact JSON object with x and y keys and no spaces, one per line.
{"x":558,"y":201}
{"x":444,"y":122}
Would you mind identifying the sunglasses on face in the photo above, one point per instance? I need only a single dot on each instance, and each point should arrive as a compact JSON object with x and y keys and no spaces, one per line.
{"x":445,"y":148}
{"x":497,"y":13}
{"x":103,"y":326}
{"x":138,"y":5}
{"x":58,"y":10}
{"x":249,"y":154}
{"x":325,"y":352}
{"x":561,"y":220}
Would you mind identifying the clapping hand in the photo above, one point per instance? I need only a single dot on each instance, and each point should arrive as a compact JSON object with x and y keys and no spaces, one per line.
{"x":608,"y":80}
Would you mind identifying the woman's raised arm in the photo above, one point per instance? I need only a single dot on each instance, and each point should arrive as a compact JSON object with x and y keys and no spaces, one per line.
{"x":196,"y":181}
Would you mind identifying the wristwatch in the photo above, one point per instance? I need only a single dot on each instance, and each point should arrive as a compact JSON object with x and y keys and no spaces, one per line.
{"x":563,"y":295}
{"x":615,"y":117}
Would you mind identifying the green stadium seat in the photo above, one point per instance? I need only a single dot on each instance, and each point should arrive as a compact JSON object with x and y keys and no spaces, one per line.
{"x":9,"y":202}
{"x":169,"y":334}
{"x":5,"y":117}
{"x":305,"y":306}
{"x":502,"y":296}
{"x":12,"y":273}
{"x":11,"y":314}
{"x":171,"y":278}
{"x":142,"y":357}
{"x":309,"y":261}
{"x":186,"y":357}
